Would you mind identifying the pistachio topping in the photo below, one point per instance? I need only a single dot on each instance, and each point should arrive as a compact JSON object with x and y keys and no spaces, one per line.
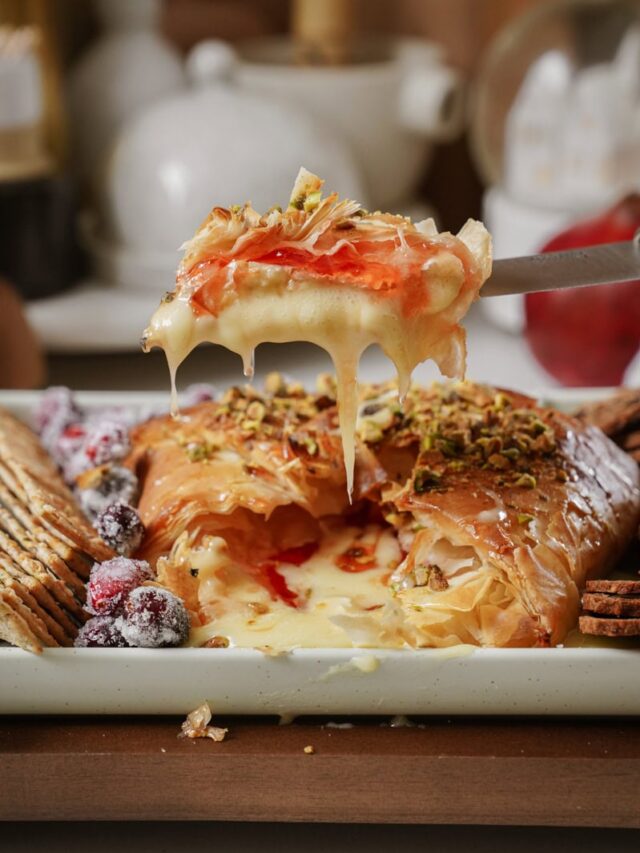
{"x":424,"y":480}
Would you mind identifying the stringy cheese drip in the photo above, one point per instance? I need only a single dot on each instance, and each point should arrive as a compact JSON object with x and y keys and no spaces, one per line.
{"x":343,"y":321}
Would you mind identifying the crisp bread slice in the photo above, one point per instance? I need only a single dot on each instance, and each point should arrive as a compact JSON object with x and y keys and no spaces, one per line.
{"x":616,"y":587}
{"x":15,"y":630}
{"x":41,"y":549}
{"x":36,"y":626}
{"x":47,"y":547}
{"x":603,"y":627}
{"x":616,"y":414}
{"x":610,"y":605}
{"x":79,"y":563}
{"x":27,"y":591}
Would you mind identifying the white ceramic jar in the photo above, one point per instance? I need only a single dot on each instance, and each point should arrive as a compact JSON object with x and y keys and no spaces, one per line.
{"x":213,"y":144}
{"x":129,"y":67}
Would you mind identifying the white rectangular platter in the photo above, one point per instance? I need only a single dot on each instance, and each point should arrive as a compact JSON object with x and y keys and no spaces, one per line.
{"x":459,"y":680}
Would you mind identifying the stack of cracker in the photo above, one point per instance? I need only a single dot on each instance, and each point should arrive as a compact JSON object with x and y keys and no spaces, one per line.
{"x":619,"y":418}
{"x":47,"y":547}
{"x":611,"y":608}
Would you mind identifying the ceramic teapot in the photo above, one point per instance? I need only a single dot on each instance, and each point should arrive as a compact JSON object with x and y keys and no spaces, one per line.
{"x":214,"y":143}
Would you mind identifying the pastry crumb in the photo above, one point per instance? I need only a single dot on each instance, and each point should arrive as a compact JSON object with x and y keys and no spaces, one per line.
{"x":197,"y":725}
{"x":309,"y":750}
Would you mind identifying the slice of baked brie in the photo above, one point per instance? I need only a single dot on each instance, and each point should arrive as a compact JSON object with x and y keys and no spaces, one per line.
{"x":328,"y":272}
{"x":477,"y":517}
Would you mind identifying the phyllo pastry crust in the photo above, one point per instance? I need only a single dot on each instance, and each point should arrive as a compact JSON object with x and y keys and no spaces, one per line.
{"x":477,"y":518}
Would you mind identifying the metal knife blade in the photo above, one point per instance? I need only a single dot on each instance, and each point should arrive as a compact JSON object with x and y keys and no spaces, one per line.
{"x":605,"y":264}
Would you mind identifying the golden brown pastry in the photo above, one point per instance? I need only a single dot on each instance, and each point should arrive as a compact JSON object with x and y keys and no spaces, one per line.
{"x":477,"y":518}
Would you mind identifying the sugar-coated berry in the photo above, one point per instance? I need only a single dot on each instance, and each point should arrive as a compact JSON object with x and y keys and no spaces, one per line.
{"x":121,"y":528}
{"x":153,"y":617}
{"x":107,"y":441}
{"x":199,"y":392}
{"x":102,"y":632}
{"x":105,"y":486}
{"x":55,"y":411}
{"x":111,"y":582}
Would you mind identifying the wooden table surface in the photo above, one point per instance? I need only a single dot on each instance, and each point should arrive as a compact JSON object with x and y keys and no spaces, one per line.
{"x":560,"y":772}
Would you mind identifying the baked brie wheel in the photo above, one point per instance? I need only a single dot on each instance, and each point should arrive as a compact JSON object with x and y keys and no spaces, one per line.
{"x":477,"y":517}
{"x":328,"y":272}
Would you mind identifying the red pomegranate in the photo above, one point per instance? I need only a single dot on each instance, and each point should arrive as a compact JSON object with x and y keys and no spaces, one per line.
{"x":588,"y":336}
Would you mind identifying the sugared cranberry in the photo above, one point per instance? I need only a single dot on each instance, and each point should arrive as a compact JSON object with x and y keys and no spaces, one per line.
{"x":111,"y":582}
{"x":67,"y":451}
{"x":120,"y":527}
{"x":101,"y":631}
{"x":104,"y":486}
{"x":199,"y":392}
{"x":55,"y":411}
{"x":107,"y":441}
{"x":154,"y":617}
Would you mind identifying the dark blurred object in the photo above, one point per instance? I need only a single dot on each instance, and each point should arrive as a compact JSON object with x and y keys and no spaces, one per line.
{"x":588,"y":336}
{"x":36,"y":198}
{"x":619,"y":418}
{"x":21,"y":361}
{"x":323,"y":32}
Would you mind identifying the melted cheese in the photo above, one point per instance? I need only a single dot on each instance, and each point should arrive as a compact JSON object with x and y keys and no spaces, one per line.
{"x":339,"y":609}
{"x":344,"y":321}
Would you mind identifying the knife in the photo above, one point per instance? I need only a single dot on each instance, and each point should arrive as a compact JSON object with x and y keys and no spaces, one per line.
{"x":606,"y":264}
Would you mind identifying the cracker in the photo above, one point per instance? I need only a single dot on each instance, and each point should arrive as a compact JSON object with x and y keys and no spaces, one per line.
{"x":31,"y":596}
{"x":33,"y":621}
{"x":610,"y":605}
{"x":40,"y":573}
{"x":43,"y":552}
{"x":15,"y":630}
{"x":78,"y":563}
{"x":617,"y":587}
{"x":47,"y":546}
{"x":616,"y":414}
{"x":602,"y":627}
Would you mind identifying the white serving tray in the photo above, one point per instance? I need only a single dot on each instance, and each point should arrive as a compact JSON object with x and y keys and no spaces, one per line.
{"x":459,"y":680}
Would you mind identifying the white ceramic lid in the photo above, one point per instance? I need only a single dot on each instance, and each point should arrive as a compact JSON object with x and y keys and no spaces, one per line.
{"x":213,"y":145}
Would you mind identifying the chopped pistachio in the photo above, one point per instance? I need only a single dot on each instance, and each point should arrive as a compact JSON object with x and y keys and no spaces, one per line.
{"x":427,"y":442}
{"x":501,"y":402}
{"x":169,"y":296}
{"x":524,"y":518}
{"x":312,"y":201}
{"x":425,"y":479}
{"x":256,"y":410}
{"x":498,"y":460}
{"x":511,"y":453}
{"x":200,"y":451}
{"x":527,"y":481}
{"x":274,"y":384}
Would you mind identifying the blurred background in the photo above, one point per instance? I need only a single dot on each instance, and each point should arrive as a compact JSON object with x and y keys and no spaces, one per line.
{"x":123,"y":121}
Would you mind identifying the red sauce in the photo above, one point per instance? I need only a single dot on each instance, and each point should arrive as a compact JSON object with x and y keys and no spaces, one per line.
{"x":358,"y":558}
{"x":371,"y":265}
{"x":298,"y":555}
{"x":275,"y":582}
{"x":277,"y":585}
